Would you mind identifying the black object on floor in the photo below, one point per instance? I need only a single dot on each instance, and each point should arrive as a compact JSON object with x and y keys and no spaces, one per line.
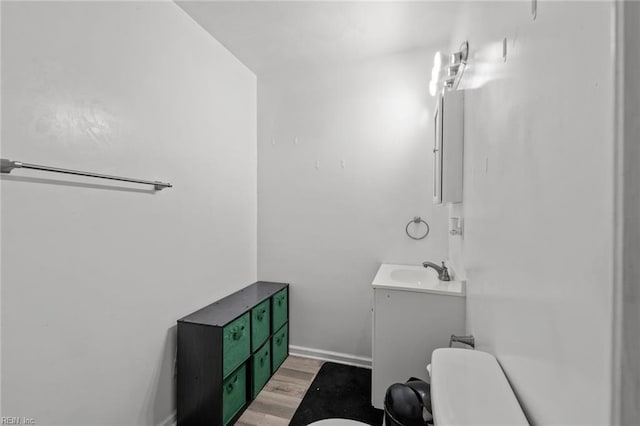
{"x":338,"y":391}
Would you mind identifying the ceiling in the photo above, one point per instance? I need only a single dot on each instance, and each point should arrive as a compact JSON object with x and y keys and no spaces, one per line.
{"x":276,"y":36}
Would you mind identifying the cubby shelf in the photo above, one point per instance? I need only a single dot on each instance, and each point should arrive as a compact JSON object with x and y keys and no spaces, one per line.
{"x":228,"y":350}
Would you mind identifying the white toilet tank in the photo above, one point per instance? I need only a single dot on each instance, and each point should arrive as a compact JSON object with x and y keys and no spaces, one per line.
{"x":468,"y":388}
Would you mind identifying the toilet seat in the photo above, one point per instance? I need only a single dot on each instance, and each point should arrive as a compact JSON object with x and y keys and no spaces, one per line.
{"x":337,"y":422}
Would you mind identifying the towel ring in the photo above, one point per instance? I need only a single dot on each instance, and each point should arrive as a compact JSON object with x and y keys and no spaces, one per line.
{"x":417,"y":219}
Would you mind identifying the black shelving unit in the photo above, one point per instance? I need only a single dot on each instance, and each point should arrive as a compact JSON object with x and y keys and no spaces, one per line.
{"x":222,"y":361}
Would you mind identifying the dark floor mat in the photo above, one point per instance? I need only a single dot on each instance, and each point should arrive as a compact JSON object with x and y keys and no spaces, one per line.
{"x":339,"y":391}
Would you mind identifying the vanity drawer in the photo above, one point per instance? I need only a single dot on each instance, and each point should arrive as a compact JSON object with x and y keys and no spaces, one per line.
{"x":280,"y":347}
{"x":235,"y":346}
{"x":280,"y":309}
{"x":261,"y":368}
{"x":234,"y":393}
{"x":260,"y":324}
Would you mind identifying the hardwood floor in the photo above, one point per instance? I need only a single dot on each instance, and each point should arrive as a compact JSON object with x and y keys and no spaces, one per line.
{"x":278,"y":401}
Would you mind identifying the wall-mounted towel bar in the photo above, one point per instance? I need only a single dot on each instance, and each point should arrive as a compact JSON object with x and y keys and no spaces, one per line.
{"x":7,"y":165}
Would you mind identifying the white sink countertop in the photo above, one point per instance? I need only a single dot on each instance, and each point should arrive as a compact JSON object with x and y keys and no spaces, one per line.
{"x":415,"y":278}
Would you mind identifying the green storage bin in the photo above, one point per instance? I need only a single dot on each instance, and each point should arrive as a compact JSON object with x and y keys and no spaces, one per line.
{"x":280,"y":347}
{"x":261,"y":368}
{"x":234,"y":393}
{"x":260,"y":322}
{"x":280,"y":309}
{"x":235,"y":345}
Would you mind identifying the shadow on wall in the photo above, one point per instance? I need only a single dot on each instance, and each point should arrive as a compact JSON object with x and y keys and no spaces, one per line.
{"x":161,"y":405}
{"x":48,"y":181}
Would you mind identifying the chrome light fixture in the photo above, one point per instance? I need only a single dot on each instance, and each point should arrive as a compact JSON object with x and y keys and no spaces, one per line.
{"x":447,"y":76}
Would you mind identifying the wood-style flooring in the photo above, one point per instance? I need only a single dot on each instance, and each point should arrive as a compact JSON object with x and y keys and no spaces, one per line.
{"x":279,"y":399}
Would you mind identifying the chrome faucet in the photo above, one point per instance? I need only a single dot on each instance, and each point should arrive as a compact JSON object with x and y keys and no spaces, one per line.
{"x":443,"y":272}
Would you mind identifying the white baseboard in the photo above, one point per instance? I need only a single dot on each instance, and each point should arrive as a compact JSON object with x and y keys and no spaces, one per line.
{"x":338,"y":357}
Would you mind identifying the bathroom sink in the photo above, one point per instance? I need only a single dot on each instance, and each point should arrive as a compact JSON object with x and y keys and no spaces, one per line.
{"x":415,"y":278}
{"x":412,"y":276}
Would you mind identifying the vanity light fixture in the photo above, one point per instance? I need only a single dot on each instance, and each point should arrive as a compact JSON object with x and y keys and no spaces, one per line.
{"x":447,"y":76}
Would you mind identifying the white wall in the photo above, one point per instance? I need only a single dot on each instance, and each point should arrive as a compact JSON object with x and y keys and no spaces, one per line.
{"x":327,"y":229}
{"x":538,"y":201}
{"x":96,"y":273}
{"x":630,"y":372}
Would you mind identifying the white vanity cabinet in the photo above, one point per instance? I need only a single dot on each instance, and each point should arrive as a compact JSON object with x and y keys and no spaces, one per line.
{"x":410,"y":321}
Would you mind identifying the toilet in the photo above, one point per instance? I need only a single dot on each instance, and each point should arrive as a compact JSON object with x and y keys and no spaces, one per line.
{"x":468,"y":388}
